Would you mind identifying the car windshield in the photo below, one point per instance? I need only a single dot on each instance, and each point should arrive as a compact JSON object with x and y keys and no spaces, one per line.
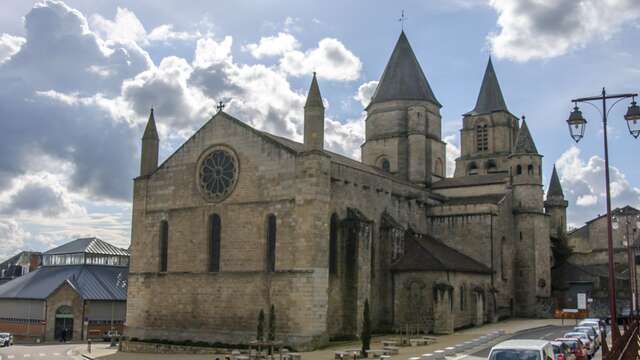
{"x":575,"y":335}
{"x":571,"y":344}
{"x":557,"y":349}
{"x":514,"y":354}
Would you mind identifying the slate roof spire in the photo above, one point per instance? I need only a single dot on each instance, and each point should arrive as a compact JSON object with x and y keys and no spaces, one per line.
{"x":524,"y":141}
{"x":490,"y":98}
{"x":403,"y":78}
{"x":150,"y":131}
{"x":555,"y":188}
{"x":314,"y":98}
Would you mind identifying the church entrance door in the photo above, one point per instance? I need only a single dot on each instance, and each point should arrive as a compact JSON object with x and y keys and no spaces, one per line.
{"x":479,"y":320}
{"x":64,"y":323}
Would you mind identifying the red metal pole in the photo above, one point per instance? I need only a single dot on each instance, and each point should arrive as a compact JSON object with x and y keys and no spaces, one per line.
{"x":612,"y":271}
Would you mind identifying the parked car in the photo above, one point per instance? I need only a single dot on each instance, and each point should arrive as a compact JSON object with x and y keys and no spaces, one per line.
{"x":522,"y":350}
{"x":561,"y":351}
{"x":593,"y":335}
{"x":110,"y":334}
{"x":576,"y":347}
{"x":6,"y":339}
{"x":588,"y":344}
{"x":597,"y":325}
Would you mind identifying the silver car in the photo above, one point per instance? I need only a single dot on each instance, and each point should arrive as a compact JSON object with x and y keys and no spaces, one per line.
{"x":6,"y":339}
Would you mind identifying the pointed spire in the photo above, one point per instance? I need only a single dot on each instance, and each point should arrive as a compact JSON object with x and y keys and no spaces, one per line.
{"x":314,"y":98}
{"x":150,"y":132}
{"x":524,"y":141}
{"x":403,"y":78}
{"x":490,"y":97}
{"x":555,"y":188}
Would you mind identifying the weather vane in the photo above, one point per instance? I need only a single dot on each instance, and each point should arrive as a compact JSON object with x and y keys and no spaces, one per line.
{"x":402,"y":19}
{"x":220,"y":106}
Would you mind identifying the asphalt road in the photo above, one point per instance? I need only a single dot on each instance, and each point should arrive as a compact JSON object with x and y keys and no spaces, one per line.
{"x":543,"y":333}
{"x":39,"y":351}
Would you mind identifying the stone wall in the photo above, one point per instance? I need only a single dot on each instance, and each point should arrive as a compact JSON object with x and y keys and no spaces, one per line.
{"x":416,"y":294}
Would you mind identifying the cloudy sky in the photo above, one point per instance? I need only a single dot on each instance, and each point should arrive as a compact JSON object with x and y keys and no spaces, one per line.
{"x":78,"y":78}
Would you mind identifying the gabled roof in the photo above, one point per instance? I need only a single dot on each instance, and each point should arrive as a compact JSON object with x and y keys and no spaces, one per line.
{"x":425,"y":253}
{"x":490,"y":98}
{"x":314,"y":98}
{"x":92,"y":282}
{"x":150,"y":131}
{"x":524,"y":142}
{"x":403,"y":78}
{"x":555,"y":188}
{"x":88,"y":245}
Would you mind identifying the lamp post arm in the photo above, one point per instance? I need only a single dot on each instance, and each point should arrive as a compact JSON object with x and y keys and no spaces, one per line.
{"x":614,"y":104}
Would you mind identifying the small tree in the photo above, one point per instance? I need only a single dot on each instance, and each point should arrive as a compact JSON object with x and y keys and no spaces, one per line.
{"x":272,"y":323}
{"x":260,"y":335}
{"x":366,"y":329}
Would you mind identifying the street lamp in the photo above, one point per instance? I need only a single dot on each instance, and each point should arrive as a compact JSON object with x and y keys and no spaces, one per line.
{"x":577,"y":125}
{"x":632,"y":117}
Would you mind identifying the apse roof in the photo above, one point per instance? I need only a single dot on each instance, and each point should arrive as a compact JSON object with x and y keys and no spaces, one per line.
{"x":88,"y":245}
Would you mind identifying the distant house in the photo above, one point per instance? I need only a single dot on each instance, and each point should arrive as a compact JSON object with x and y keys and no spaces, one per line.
{"x":80,"y":289}
{"x":19,"y":265}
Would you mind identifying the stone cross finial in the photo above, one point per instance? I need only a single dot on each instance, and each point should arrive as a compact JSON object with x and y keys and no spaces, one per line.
{"x":220,"y":106}
{"x":402,"y":19}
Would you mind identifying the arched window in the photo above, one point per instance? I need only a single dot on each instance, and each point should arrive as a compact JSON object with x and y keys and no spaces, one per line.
{"x":386,"y":165}
{"x":271,"y":243}
{"x":519,"y":170}
{"x":215,"y":227}
{"x":333,"y":244}
{"x":530,"y":169}
{"x":473,"y":169}
{"x":482,"y":137}
{"x":461,"y":298}
{"x":438,"y":168}
{"x":164,"y":244}
{"x":491,"y":165}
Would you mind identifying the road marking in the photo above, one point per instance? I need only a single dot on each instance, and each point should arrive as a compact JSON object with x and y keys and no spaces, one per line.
{"x":56,"y":354}
{"x":10,"y":356}
{"x":42,"y":354}
{"x":27,"y":355}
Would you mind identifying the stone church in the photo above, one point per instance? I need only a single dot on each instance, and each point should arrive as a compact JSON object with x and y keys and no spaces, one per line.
{"x":238,"y":219}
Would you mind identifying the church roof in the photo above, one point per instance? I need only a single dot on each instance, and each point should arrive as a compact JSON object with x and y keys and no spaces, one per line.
{"x":524,"y":141}
{"x":555,"y":188}
{"x":403,"y":78}
{"x":314,"y":98}
{"x":150,"y":131}
{"x":475,"y":180}
{"x":425,"y":253}
{"x":88,"y":245}
{"x":92,"y":282}
{"x":490,"y":98}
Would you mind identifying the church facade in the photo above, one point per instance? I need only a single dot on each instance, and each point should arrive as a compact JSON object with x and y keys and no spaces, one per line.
{"x":237,"y":220}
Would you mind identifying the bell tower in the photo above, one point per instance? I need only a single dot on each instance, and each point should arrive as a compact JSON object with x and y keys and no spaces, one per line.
{"x":488,"y":131}
{"x":403,"y":133}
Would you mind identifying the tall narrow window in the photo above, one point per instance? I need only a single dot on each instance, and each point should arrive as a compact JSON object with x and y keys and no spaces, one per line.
{"x":519,"y":170}
{"x":164,"y":244}
{"x":271,"y":243}
{"x":482,"y":137}
{"x":386,"y":166}
{"x":461,"y":298}
{"x":333,"y":244}
{"x":530,"y":169}
{"x":214,"y":242}
{"x":503,"y":267}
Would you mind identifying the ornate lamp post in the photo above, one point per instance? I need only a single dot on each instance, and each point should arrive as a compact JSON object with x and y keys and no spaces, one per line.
{"x":577,"y":124}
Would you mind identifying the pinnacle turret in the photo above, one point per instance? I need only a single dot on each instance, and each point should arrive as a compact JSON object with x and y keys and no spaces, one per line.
{"x":524,"y":142}
{"x":555,"y":188}
{"x":314,"y":98}
{"x":403,"y":78}
{"x":314,"y":118}
{"x":490,"y":98}
{"x":150,"y":131}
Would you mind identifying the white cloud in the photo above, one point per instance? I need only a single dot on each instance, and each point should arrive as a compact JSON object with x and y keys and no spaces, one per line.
{"x":166,"y":33}
{"x":453,"y":152}
{"x":124,"y":28}
{"x":550,"y":28}
{"x":331,"y":60}
{"x":345,"y":138}
{"x":583,"y":184}
{"x":365,"y":92}
{"x":273,"y":45}
{"x":9,"y":45}
{"x":210,"y":52}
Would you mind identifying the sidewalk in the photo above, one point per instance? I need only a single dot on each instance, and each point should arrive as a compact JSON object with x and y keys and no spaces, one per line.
{"x":104,"y":352}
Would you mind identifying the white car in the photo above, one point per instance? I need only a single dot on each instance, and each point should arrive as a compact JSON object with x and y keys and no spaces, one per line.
{"x":591,"y":332}
{"x":522,"y":350}
{"x":6,"y":339}
{"x":590,"y":345}
{"x":595,"y":324}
